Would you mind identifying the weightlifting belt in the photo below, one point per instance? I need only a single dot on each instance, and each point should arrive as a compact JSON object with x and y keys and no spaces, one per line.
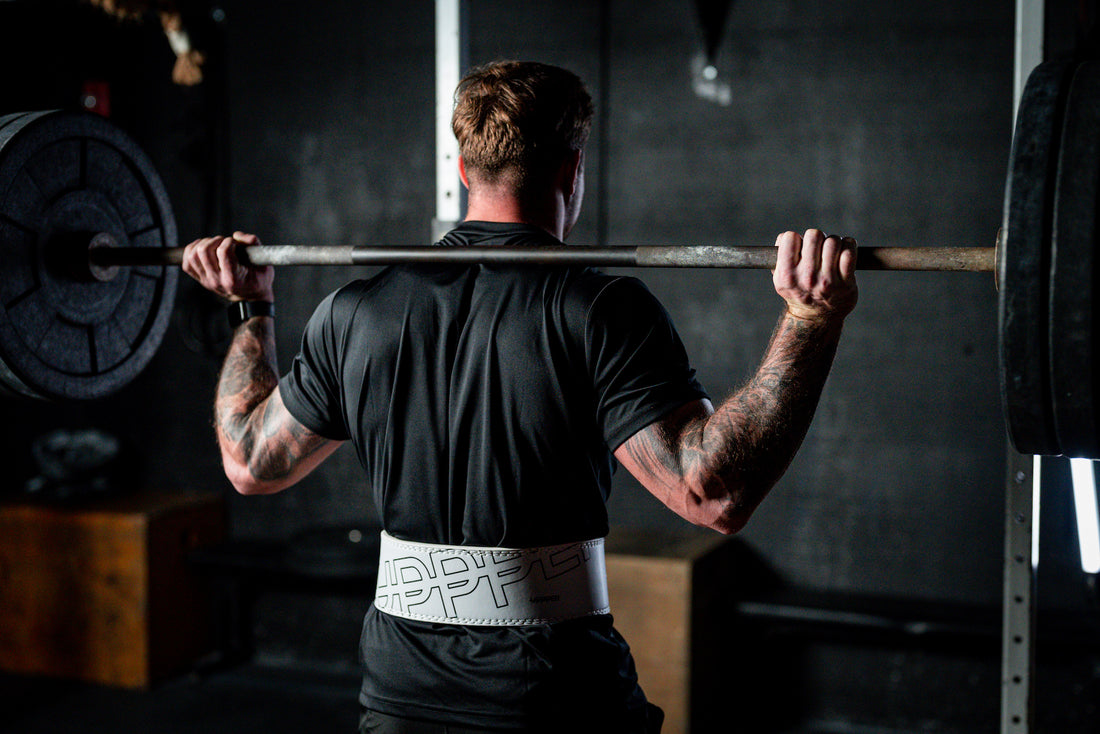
{"x":471,"y":585}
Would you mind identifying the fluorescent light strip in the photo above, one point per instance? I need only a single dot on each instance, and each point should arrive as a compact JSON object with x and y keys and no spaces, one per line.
{"x":1088,"y":522}
{"x":1036,"y":493}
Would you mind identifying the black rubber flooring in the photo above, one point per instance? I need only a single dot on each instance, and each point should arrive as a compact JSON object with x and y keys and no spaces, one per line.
{"x":250,"y":699}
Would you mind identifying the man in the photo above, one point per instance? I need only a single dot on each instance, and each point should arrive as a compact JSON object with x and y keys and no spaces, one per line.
{"x":485,"y":404}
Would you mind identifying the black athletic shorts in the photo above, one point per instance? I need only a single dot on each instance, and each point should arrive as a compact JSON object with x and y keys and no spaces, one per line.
{"x":372,"y":722}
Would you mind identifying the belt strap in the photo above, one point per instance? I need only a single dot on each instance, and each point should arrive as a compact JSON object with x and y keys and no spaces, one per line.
{"x":472,"y":585}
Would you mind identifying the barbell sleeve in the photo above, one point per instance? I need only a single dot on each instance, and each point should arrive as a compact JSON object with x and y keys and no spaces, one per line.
{"x":960,"y":259}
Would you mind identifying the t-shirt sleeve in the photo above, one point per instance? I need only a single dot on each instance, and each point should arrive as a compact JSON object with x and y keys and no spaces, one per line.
{"x":311,"y":388}
{"x":638,"y":364}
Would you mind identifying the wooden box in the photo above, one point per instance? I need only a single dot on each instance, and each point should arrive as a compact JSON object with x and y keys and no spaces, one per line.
{"x":102,"y":591}
{"x":669,"y":597}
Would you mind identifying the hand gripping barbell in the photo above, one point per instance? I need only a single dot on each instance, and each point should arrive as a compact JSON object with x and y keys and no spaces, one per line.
{"x":87,"y":281}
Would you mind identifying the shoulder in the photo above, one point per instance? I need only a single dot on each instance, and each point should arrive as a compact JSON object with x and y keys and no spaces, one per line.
{"x":589,"y":287}
{"x":347,"y":299}
{"x":618,"y":298}
{"x":602,"y":309}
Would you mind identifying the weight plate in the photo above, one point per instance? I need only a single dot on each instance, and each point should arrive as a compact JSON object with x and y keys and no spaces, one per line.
{"x":65,"y":177}
{"x":1024,"y":261}
{"x":1074,"y":365}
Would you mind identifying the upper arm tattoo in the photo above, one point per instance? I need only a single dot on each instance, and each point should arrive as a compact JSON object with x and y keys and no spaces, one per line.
{"x":285,"y":442}
{"x":651,"y":450}
{"x":252,"y":420}
{"x":666,"y":449}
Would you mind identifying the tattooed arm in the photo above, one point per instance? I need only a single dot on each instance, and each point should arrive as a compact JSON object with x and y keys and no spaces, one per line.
{"x":264,"y":448}
{"x":714,"y":466}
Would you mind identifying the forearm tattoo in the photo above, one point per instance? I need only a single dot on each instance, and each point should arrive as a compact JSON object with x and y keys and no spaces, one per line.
{"x":248,"y":376}
{"x":755,"y":433}
{"x":737,"y":453}
{"x":252,"y":423}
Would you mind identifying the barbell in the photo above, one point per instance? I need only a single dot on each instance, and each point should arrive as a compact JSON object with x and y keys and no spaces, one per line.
{"x":87,"y":280}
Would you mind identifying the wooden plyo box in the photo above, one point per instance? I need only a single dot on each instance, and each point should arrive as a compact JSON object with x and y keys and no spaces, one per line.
{"x":102,"y":591}
{"x":669,"y":597}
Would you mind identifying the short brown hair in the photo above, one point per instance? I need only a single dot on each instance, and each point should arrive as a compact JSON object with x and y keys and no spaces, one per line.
{"x":521,"y":118}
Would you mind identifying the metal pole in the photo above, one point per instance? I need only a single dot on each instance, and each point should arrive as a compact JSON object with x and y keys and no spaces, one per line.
{"x":1018,"y":613}
{"x":1029,"y":46}
{"x":450,"y":60}
{"x":1024,"y":478}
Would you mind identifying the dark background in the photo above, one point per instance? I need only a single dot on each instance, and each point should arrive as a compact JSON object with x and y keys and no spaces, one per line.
{"x":888,"y":121}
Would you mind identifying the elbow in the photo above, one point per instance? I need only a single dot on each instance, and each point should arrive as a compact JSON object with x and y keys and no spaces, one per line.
{"x":242,"y":480}
{"x":249,"y":488}
{"x":250,"y":468}
{"x":727,"y":520}
{"x":719,"y":507}
{"x":729,"y":523}
{"x":241,"y":476}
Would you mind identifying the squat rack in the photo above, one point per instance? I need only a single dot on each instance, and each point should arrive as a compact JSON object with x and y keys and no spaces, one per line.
{"x":1022,"y":471}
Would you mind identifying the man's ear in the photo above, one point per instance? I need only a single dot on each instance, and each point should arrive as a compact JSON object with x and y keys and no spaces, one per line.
{"x":462,"y":173}
{"x":572,"y":169}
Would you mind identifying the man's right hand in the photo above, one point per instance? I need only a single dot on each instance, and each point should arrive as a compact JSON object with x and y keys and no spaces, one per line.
{"x":213,"y":262}
{"x":816,"y":275}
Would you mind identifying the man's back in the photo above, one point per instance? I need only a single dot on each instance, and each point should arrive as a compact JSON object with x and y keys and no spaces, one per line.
{"x":482,"y":400}
{"x":484,"y":403}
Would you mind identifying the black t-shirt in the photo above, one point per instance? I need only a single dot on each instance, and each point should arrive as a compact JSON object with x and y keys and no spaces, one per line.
{"x":484,"y":403}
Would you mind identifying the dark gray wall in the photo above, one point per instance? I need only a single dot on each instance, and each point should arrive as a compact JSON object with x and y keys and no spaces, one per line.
{"x":887,"y":121}
{"x":889,"y":124}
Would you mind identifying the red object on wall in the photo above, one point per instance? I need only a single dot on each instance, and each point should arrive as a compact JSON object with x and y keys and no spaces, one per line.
{"x":95,"y":96}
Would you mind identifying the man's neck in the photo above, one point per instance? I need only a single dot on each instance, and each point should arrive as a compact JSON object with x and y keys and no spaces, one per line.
{"x":492,"y":207}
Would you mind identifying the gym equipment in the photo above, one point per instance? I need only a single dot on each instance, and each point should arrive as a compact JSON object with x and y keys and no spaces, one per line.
{"x":87,"y":279}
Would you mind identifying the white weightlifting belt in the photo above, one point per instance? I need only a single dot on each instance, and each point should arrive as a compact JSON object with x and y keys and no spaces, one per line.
{"x":471,"y":585}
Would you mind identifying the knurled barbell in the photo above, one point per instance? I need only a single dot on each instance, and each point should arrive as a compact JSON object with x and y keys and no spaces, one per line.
{"x":87,"y":281}
{"x":105,"y":258}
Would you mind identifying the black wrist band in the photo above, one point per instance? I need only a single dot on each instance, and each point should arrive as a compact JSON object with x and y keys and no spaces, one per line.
{"x":241,"y":311}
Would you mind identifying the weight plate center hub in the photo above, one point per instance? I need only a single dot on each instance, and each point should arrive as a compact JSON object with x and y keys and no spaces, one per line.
{"x":71,"y":224}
